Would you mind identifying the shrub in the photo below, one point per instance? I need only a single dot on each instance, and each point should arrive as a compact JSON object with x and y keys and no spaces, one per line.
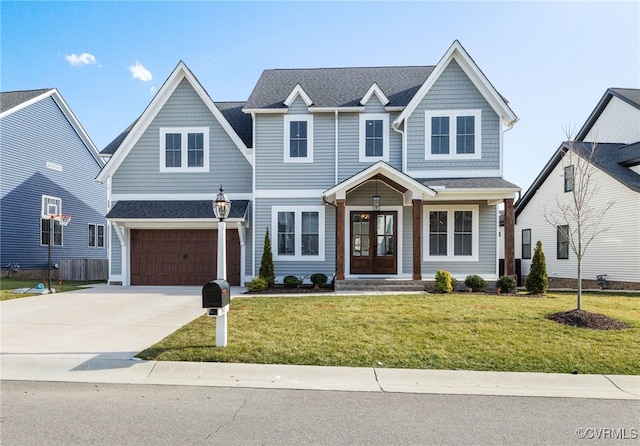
{"x":267,"y":271}
{"x":537,"y":280}
{"x":443,"y":281}
{"x":476,"y":283}
{"x":506,"y":284}
{"x":319,"y":279}
{"x":292,"y":282}
{"x":454,"y":283}
{"x":258,"y":284}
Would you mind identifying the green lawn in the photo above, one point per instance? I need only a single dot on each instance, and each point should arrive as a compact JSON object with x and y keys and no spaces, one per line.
{"x":435,"y":331}
{"x":8,"y":285}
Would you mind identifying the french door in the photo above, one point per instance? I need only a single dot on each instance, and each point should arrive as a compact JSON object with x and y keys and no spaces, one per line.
{"x":373,"y":242}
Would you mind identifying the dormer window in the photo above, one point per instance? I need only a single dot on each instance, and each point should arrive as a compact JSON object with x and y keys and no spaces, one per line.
{"x":374,"y":137}
{"x":298,"y":138}
{"x":453,"y":134}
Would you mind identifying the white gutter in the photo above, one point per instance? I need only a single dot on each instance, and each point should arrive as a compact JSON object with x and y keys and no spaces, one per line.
{"x":396,"y":127}
{"x":335,"y":179}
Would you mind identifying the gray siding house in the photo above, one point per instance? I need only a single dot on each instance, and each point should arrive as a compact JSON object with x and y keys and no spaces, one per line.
{"x":48,"y":166}
{"x":388,"y":173}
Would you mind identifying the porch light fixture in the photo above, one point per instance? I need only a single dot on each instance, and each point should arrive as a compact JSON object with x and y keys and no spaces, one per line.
{"x":221,"y":205}
{"x":376,"y":198}
{"x":376,"y":202}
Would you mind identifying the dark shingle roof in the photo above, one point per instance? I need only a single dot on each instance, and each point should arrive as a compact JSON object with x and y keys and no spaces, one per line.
{"x":113,"y":145}
{"x":337,"y":87}
{"x":615,"y":160}
{"x":469,"y":183}
{"x":632,"y":95}
{"x":239,"y":121}
{"x":11,"y":99}
{"x":173,"y":209}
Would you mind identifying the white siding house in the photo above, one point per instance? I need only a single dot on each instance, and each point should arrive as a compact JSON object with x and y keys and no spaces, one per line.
{"x":615,"y":252}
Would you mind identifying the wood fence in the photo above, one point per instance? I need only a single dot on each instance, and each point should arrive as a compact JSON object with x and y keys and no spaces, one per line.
{"x":84,"y":269}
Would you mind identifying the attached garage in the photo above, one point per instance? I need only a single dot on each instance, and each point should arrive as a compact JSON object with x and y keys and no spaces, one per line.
{"x":175,"y":243}
{"x":181,"y":256}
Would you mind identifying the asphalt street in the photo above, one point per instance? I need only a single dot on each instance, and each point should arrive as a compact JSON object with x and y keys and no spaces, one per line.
{"x":37,"y":413}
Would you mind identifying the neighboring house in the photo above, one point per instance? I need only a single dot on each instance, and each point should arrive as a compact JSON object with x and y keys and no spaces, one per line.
{"x":48,"y":166}
{"x":387,"y":173}
{"x":614,"y":129}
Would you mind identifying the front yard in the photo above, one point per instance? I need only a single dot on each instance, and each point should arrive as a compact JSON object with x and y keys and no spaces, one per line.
{"x":435,"y":331}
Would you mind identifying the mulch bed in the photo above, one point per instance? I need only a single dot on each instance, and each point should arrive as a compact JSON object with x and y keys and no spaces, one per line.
{"x":584,"y":319}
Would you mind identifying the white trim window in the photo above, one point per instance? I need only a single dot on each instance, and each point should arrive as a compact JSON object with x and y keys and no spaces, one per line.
{"x":184,"y":149}
{"x":96,"y":236}
{"x":374,"y":137}
{"x":298,"y":233}
{"x":451,"y":233}
{"x":453,"y":134}
{"x":298,"y":138}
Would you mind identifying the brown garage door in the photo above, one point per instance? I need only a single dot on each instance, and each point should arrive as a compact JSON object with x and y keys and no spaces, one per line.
{"x":181,"y":256}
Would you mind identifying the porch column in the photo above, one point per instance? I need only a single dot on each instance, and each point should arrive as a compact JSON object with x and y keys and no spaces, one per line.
{"x":417,"y":239}
{"x":340,"y":239}
{"x":509,"y":244}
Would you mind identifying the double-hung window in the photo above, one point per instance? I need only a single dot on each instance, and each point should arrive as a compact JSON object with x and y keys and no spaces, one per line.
{"x":451,"y":233}
{"x":96,"y":236}
{"x":526,"y":243}
{"x":453,"y":134}
{"x":184,"y":149}
{"x":50,"y":206}
{"x":562,"y":241}
{"x":374,"y":137}
{"x":298,"y":233}
{"x":298,"y":138}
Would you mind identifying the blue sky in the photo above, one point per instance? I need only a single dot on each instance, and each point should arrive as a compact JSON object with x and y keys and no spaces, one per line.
{"x":553,"y":61}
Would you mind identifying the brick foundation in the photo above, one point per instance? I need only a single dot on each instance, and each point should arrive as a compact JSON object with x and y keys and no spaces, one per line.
{"x":589,"y":284}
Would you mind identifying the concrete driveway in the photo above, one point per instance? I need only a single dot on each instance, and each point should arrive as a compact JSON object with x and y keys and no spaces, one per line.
{"x":112,"y":322}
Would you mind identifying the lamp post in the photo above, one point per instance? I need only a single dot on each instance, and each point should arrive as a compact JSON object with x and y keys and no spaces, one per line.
{"x":221,"y":208}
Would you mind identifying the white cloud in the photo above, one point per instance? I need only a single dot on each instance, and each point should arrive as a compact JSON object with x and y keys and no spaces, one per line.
{"x":140,"y":72}
{"x":82,"y":59}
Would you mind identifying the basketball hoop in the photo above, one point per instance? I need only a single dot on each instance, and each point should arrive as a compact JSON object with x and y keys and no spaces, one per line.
{"x":63,"y":219}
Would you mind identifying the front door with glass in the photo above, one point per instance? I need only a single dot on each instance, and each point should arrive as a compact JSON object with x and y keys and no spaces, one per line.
{"x":373,"y":242}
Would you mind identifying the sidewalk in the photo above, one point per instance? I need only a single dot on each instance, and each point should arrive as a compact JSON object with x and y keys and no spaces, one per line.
{"x":128,"y":371}
{"x":93,"y":335}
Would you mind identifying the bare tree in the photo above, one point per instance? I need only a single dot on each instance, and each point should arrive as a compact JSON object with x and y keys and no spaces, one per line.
{"x":577,"y":218}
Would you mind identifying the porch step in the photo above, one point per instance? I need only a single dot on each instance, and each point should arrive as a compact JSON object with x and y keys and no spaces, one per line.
{"x":379,"y":285}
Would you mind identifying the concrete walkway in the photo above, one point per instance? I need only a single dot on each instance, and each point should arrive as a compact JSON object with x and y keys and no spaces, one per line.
{"x":93,"y":335}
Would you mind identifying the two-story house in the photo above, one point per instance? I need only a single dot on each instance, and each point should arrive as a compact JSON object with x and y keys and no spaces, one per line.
{"x":48,"y":166}
{"x":612,"y":131}
{"x":390,"y":173}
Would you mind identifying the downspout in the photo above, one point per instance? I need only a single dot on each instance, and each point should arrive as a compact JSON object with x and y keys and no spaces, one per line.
{"x":396,"y":127}
{"x":509,"y":127}
{"x":335,"y":180}
{"x":335,"y":260}
{"x":253,"y":182}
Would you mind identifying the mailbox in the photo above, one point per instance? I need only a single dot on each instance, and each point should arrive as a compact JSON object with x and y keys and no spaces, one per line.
{"x":216,"y":294}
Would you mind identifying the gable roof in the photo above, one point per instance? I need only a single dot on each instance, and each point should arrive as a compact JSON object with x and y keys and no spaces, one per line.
{"x":13,"y":101}
{"x":629,"y":95}
{"x":129,"y":138}
{"x":612,"y":158}
{"x":459,"y":54}
{"x":232,"y":111}
{"x":336,"y":87}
